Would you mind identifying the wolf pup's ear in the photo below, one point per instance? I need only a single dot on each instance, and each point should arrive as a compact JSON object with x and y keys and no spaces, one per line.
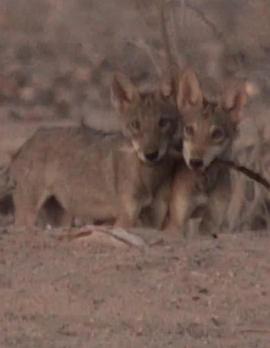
{"x":189,"y":94}
{"x":234,"y":101}
{"x":123,"y":93}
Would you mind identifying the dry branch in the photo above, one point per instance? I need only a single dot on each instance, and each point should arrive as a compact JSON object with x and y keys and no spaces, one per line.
{"x":165,"y":34}
{"x":144,"y":46}
{"x":248,"y":172}
{"x":141,"y":43}
{"x":201,"y":15}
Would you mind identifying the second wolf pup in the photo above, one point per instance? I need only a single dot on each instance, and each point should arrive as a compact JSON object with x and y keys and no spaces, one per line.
{"x":209,"y":129}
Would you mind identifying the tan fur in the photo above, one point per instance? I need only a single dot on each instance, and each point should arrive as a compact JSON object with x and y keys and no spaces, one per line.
{"x":95,"y":176}
{"x":209,"y":129}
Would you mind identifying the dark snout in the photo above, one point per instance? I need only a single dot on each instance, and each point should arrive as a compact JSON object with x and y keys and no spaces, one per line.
{"x":152,"y":156}
{"x":196,"y":164}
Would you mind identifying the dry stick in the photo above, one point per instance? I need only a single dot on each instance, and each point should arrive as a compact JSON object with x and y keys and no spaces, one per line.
{"x":255,"y":176}
{"x":146,"y":48}
{"x":142,"y":43}
{"x":259,"y":150}
{"x":236,"y":203}
{"x":200,"y":14}
{"x":238,"y":216}
{"x":248,"y":172}
{"x":183,"y":19}
{"x":165,"y":34}
{"x":251,"y":208}
{"x":118,"y":233}
{"x":179,"y":28}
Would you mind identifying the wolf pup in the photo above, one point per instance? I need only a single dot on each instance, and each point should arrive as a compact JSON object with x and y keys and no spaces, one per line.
{"x":96,"y":176}
{"x":209,"y":129}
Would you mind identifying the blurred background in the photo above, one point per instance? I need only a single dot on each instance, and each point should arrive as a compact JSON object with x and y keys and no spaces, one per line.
{"x":57,"y":58}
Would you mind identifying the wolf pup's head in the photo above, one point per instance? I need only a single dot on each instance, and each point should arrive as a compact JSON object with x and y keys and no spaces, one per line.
{"x":149,"y":120}
{"x":209,"y":128}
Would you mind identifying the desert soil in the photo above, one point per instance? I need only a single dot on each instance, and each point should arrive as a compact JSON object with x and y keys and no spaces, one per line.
{"x":195,"y":292}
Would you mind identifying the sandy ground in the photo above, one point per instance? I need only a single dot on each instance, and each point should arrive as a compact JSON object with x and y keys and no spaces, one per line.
{"x":84,"y":293}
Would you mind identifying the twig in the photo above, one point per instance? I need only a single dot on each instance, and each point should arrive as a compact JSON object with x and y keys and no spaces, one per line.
{"x":248,"y":172}
{"x":200,"y":14}
{"x":179,"y":27}
{"x":117,"y":233}
{"x":165,"y":34}
{"x":141,"y":43}
{"x":241,"y":213}
{"x":236,"y":203}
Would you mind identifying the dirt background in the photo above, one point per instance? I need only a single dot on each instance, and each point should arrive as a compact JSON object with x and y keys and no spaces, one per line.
{"x":56,"y":59}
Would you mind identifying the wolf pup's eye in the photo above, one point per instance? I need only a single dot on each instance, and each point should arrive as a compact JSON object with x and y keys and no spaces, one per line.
{"x":135,"y":124}
{"x":163,"y":122}
{"x":189,"y":130}
{"x":217,"y":134}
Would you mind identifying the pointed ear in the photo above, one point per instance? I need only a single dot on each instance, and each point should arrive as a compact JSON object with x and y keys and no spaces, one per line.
{"x":123,"y":92}
{"x":235,"y":100}
{"x":189,"y":94}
